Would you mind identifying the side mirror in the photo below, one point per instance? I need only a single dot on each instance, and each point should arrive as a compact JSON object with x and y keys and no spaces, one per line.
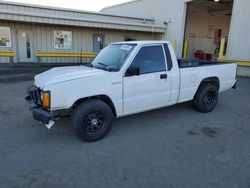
{"x":133,"y":71}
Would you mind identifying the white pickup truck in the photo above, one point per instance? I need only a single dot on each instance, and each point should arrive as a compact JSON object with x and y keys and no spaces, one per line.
{"x":126,"y":78}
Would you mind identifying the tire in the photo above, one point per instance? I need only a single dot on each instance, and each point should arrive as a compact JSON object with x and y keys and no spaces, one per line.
{"x":92,"y":120}
{"x":206,"y":98}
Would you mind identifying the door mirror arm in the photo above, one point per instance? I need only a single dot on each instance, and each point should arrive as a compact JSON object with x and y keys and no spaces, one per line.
{"x":133,"y":71}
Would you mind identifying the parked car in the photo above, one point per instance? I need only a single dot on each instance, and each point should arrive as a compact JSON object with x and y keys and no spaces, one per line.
{"x":126,"y":78}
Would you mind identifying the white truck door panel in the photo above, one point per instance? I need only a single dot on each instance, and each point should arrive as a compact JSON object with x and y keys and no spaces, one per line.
{"x":151,"y":89}
{"x":145,"y":92}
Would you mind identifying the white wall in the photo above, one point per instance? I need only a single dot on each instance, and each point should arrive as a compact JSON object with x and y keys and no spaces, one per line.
{"x":162,"y":11}
{"x":239,"y":35}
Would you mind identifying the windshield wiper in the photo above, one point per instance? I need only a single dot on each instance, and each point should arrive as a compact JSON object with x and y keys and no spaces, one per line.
{"x":88,"y":64}
{"x":104,"y":65}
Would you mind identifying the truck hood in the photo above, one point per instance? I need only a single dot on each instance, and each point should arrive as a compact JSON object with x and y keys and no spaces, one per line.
{"x":62,"y":74}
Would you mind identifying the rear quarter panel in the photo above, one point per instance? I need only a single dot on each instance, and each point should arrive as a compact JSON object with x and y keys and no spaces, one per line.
{"x":193,"y":76}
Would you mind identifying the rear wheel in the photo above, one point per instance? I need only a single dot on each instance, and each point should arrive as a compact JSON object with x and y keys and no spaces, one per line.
{"x":92,"y":120}
{"x":206,"y":98}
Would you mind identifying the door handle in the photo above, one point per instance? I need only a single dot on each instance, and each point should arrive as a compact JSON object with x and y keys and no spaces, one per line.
{"x":163,"y":76}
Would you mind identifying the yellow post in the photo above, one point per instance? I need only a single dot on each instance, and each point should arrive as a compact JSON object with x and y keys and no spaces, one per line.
{"x":185,"y":49}
{"x":174,"y":44}
{"x":222,"y":48}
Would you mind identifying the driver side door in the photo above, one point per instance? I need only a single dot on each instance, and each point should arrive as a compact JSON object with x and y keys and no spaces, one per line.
{"x":151,"y":88}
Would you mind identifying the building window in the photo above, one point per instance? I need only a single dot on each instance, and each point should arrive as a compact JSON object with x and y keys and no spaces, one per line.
{"x":129,"y":38}
{"x":5,"y":39}
{"x":63,"y":39}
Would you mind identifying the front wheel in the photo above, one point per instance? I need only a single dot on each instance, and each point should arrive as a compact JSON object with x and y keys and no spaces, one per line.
{"x":92,"y":120}
{"x":206,"y":98}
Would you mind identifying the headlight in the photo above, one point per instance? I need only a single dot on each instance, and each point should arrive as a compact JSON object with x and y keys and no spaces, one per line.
{"x":45,"y":97}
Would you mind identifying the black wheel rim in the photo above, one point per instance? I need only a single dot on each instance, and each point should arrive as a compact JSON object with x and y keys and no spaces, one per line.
{"x":94,"y":122}
{"x":209,"y":98}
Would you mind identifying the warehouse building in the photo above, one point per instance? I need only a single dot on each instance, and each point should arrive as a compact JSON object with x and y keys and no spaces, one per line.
{"x":208,"y":28}
{"x":31,"y":34}
{"x":217,"y":29}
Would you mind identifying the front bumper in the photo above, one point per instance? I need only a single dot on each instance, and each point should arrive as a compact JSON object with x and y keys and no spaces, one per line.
{"x":39,"y":113}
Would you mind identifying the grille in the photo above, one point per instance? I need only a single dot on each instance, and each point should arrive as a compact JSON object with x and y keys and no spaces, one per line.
{"x":35,"y":94}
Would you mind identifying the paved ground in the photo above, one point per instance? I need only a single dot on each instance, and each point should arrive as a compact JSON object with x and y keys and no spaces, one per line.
{"x":170,"y":147}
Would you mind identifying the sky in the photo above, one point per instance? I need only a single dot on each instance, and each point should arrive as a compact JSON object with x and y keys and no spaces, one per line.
{"x":89,"y":5}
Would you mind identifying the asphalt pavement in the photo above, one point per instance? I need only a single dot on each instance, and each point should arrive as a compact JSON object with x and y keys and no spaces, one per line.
{"x":170,"y":147}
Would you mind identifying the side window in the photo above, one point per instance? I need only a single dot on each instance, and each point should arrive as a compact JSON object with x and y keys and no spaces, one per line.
{"x":150,"y":59}
{"x":62,"y":39}
{"x":5,"y":38}
{"x":168,"y":57}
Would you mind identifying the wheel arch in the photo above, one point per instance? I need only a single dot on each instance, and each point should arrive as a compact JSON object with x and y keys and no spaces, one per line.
{"x":212,"y":80}
{"x":104,"y":98}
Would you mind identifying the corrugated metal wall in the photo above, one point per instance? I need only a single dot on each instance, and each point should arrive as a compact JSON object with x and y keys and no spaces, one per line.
{"x":175,"y":12}
{"x":170,"y":11}
{"x":48,"y":15}
{"x":162,"y":11}
{"x":81,"y":38}
{"x":239,"y":39}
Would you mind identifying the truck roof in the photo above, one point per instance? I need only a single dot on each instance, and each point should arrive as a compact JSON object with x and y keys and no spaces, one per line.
{"x":145,"y":42}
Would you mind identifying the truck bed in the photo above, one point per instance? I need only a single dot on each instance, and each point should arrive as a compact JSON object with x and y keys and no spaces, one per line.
{"x":191,"y":62}
{"x":193,"y":71}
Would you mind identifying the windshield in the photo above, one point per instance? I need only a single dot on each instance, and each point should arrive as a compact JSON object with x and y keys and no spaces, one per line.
{"x":112,"y":57}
